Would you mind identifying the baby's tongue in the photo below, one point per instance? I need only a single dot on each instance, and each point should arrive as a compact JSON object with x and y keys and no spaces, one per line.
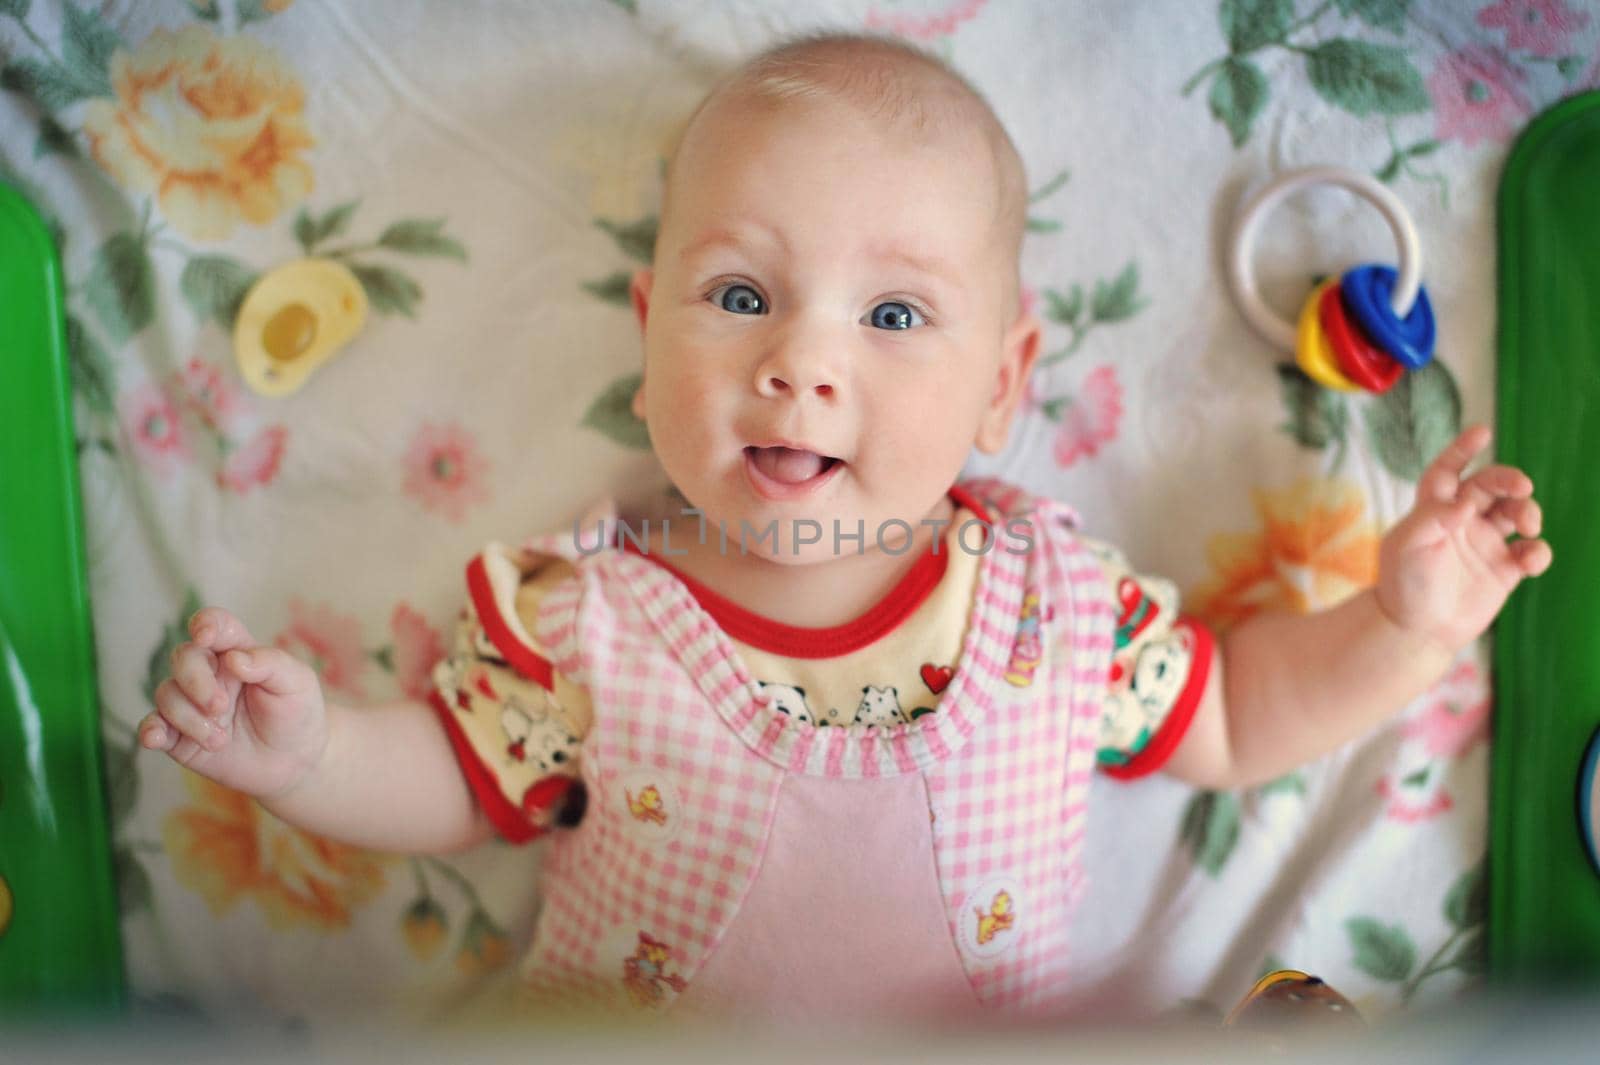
{"x":787,"y":465}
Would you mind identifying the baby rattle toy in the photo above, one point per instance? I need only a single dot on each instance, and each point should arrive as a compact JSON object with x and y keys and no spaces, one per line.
{"x":1360,"y":331}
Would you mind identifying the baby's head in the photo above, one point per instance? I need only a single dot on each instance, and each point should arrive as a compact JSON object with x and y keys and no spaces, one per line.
{"x":837,"y":271}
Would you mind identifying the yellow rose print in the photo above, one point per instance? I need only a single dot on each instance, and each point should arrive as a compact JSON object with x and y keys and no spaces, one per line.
{"x":212,"y":127}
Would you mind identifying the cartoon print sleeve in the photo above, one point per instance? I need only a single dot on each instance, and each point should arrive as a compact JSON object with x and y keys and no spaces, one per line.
{"x":515,"y":723}
{"x":1160,"y":662}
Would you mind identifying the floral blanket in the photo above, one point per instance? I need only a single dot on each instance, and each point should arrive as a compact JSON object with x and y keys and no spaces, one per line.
{"x":491,"y":175}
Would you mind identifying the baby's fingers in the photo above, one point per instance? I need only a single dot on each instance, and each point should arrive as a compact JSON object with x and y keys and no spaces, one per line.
{"x":1531,"y":557}
{"x":1497,"y":482}
{"x":182,"y":717}
{"x":1522,"y":516}
{"x":1442,"y":478}
{"x":195,"y":671}
{"x":214,"y":628}
{"x":274,"y":670}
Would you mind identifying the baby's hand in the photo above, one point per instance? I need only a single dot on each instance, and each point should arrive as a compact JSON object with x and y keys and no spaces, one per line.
{"x":251,"y":718}
{"x":1446,"y":569}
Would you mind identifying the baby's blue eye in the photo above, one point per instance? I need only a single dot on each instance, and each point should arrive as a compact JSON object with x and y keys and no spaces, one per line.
{"x":744,"y":300}
{"x":892,"y":315}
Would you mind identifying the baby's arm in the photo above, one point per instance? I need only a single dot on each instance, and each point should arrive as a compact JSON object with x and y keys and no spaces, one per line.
{"x":253,"y":719}
{"x":1288,"y":688}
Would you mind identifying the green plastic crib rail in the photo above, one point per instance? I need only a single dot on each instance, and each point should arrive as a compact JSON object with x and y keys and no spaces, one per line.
{"x":1544,"y":895}
{"x":60,"y":951}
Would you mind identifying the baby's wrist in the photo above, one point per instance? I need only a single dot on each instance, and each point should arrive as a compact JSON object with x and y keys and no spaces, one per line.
{"x":1427,"y":647}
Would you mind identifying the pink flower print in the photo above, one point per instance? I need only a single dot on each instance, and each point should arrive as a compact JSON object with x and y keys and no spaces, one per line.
{"x":151,"y":421}
{"x":417,"y":647}
{"x":330,"y":643}
{"x":212,"y":397}
{"x":1089,"y":419}
{"x":444,"y":470}
{"x":1456,"y":717}
{"x":254,"y":463}
{"x":1475,"y":95}
{"x":1028,"y":297}
{"x":1410,"y":806}
{"x":1537,"y":26}
{"x":940,"y":23}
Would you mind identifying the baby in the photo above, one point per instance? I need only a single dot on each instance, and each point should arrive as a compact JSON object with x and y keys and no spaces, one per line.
{"x":819,"y":744}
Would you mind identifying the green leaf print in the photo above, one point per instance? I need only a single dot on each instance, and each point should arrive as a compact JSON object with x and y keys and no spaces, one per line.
{"x":121,"y":287}
{"x":613,"y":289}
{"x":311,"y":231}
{"x":86,"y":47}
{"x":54,"y":139}
{"x":1238,"y":94}
{"x":1064,"y":310}
{"x":93,"y":376}
{"x":1252,"y":24}
{"x":133,"y":883}
{"x":1365,"y":78}
{"x":17,"y":9}
{"x":51,"y":86}
{"x":1211,"y":828}
{"x":1413,"y":421}
{"x":421,"y":236}
{"x":174,"y":633}
{"x":122,"y":780}
{"x":1384,"y":952}
{"x":1467,"y":904}
{"x":1119,"y":299}
{"x":637,"y":240}
{"x":388,"y":290}
{"x":1317,"y":416}
{"x":215,"y":286}
{"x":1473,"y":956}
{"x":1379,"y":14}
{"x":611,"y":413}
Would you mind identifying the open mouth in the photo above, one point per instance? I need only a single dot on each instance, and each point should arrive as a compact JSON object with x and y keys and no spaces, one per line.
{"x":790,"y":466}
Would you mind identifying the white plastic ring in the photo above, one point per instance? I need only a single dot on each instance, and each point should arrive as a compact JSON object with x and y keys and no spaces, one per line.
{"x":1275,"y":328}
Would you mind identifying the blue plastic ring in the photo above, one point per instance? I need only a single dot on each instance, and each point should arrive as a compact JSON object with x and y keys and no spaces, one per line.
{"x":1589,"y":801}
{"x":1365,"y":291}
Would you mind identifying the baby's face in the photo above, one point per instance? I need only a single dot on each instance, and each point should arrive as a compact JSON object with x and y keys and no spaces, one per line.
{"x":827,"y":285}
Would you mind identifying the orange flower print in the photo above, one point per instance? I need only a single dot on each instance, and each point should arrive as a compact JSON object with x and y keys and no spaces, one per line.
{"x":424,"y":926}
{"x":484,"y":947}
{"x":212,"y":127}
{"x":1316,"y":548}
{"x":329,"y":642}
{"x":445,"y":472}
{"x":417,"y":648}
{"x":227,"y":849}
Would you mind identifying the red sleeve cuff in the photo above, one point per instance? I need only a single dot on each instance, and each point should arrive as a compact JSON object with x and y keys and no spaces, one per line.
{"x":510,"y":821}
{"x":1165,"y":742}
{"x":524,"y":659}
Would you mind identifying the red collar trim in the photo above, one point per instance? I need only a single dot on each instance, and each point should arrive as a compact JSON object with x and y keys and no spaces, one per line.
{"x":794,"y":641}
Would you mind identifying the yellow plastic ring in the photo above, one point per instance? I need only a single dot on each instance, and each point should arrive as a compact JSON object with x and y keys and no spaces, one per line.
{"x":1312,"y":352}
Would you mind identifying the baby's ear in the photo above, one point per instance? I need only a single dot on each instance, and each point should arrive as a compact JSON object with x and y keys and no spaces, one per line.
{"x":639,"y":293}
{"x":1019,"y":350}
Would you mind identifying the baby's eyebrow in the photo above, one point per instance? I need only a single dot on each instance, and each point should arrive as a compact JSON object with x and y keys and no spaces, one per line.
{"x":928,"y":265}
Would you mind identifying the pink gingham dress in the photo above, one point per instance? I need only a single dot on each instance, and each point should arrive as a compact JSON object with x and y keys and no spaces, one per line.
{"x":922,"y":871}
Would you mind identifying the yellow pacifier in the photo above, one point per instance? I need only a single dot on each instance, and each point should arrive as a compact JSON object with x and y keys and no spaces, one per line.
{"x":294,"y":319}
{"x":1312,"y":352}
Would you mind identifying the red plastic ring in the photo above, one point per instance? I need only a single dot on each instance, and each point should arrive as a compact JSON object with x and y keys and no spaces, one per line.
{"x":1361,"y":360}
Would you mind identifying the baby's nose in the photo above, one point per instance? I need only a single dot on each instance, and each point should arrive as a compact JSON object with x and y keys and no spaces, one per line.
{"x":777,"y":386}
